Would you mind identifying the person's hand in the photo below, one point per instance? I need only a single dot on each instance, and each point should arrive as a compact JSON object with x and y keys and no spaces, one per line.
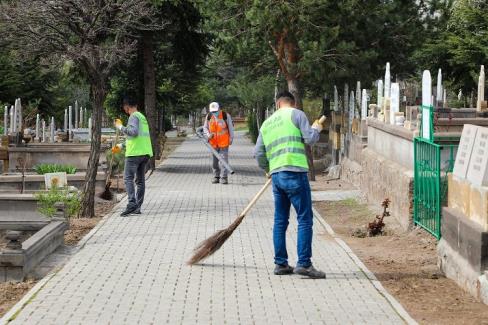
{"x":211,"y":135}
{"x":117,"y":149}
{"x":118,"y":124}
{"x":317,"y":126}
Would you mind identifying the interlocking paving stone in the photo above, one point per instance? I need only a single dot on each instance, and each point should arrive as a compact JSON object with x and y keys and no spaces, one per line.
{"x":133,"y":270}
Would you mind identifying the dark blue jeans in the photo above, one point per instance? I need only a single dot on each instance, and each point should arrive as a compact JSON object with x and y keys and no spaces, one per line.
{"x":135,"y":167}
{"x":292,"y":188}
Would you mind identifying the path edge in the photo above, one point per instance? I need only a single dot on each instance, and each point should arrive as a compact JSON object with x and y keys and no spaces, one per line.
{"x":370,"y":275}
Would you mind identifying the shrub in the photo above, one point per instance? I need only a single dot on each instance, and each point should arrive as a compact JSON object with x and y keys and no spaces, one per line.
{"x":42,"y":169}
{"x":47,"y":200}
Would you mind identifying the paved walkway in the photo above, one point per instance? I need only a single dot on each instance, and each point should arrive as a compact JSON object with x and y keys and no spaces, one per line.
{"x":132,"y":270}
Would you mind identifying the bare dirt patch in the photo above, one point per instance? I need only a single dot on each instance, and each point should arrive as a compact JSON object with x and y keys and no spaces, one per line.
{"x":324,"y":183}
{"x":406,"y":265}
{"x":10,"y":293}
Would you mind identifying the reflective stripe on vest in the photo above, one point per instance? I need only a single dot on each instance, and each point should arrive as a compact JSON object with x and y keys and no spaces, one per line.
{"x":283,"y":141}
{"x":139,"y":145}
{"x":218,"y":127}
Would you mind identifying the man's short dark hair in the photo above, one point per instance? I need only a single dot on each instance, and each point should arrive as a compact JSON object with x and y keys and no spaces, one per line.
{"x":286,"y":95}
{"x":129,"y":101}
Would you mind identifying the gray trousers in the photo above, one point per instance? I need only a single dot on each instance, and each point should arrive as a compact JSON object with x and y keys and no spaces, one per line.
{"x":218,"y":170}
{"x":135,"y":168}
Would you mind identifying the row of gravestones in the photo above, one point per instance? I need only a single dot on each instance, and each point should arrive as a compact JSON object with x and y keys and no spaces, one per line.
{"x":472,"y":156}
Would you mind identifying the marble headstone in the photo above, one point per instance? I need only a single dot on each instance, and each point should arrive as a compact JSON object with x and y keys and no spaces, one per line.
{"x":465,"y":150}
{"x":478,"y":164}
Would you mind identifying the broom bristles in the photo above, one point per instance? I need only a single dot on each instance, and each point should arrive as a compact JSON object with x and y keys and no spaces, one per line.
{"x":212,"y":244}
{"x":107,"y":193}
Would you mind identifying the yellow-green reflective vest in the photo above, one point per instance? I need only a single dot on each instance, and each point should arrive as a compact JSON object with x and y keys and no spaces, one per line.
{"x":139,"y":145}
{"x":283,"y":141}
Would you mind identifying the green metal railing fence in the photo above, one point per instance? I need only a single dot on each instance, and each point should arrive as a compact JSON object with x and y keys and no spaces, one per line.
{"x":432,"y":163}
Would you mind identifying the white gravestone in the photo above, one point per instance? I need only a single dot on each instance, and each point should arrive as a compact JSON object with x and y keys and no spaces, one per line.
{"x":387,"y":85}
{"x":380,"y":94}
{"x":465,"y":150}
{"x":478,"y":164}
{"x":394,"y":102}
{"x":426,"y":104}
{"x":364,"y":105}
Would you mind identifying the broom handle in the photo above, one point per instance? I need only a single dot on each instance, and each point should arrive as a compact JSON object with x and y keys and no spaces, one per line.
{"x":256,"y":197}
{"x":112,"y":158}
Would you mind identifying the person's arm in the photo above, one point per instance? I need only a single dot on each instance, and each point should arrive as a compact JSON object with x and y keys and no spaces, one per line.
{"x":260,"y":154}
{"x":206,"y":130}
{"x":230,"y":126}
{"x":309,"y":134}
{"x":132,"y":128}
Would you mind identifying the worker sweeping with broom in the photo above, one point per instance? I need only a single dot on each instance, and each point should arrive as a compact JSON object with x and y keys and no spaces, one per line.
{"x":280,"y":151}
{"x":138,"y":151}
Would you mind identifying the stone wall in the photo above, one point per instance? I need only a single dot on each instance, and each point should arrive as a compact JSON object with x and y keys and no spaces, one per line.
{"x":355,"y":148}
{"x":382,"y":178}
{"x":391,"y":141}
{"x":463,"y":253}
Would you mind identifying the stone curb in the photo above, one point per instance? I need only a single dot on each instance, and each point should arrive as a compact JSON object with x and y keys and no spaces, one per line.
{"x":17,"y":308}
{"x":370,"y":275}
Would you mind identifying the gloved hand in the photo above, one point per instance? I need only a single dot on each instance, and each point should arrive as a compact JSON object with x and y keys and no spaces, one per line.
{"x":118,"y":124}
{"x":117,"y":149}
{"x":317,"y":126}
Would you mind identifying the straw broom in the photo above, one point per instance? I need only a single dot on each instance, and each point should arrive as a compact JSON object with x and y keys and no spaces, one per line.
{"x":212,"y":244}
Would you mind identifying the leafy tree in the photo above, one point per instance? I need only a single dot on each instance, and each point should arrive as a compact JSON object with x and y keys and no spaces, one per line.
{"x":93,"y":35}
{"x":462,"y":44}
{"x":165,"y":72}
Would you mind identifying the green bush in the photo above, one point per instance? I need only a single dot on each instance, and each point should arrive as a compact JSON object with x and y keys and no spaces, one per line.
{"x":42,"y":169}
{"x":1,"y":130}
{"x":47,"y":200}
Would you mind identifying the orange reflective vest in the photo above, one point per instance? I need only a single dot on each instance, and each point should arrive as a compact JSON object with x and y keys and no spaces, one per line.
{"x":218,"y":127}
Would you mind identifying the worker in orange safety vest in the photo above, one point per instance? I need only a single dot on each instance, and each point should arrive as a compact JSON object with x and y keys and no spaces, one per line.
{"x":219,"y":131}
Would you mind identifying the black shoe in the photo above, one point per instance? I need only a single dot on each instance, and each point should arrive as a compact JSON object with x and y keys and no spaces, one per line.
{"x":224,"y":180}
{"x":137,"y":211}
{"x":310,"y":271}
{"x":215,"y":180}
{"x":127,"y":212}
{"x":283,"y":269}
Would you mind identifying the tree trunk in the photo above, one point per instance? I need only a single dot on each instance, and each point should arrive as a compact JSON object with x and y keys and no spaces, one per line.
{"x":98,"y":94}
{"x":294,"y":89}
{"x":150,"y":94}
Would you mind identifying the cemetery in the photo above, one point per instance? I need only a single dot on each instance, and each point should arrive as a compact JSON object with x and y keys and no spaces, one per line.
{"x":429,"y":159}
{"x":27,"y":150}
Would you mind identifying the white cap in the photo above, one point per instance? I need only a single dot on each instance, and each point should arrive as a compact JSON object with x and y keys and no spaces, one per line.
{"x":214,"y":107}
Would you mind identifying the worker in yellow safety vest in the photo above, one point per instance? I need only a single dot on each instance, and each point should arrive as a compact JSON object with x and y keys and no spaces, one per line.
{"x":280,"y":151}
{"x":138,"y":151}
